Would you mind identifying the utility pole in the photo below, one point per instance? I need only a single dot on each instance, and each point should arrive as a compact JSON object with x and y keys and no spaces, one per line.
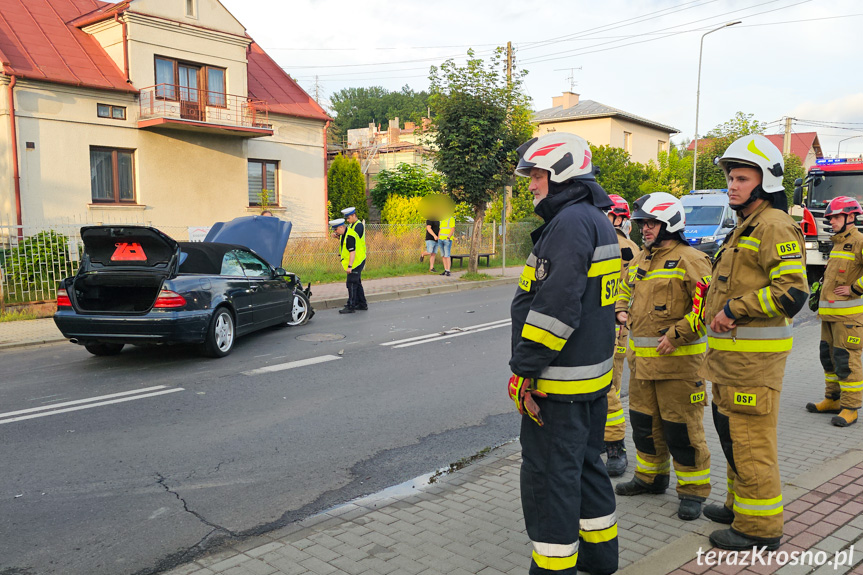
{"x":786,"y":143}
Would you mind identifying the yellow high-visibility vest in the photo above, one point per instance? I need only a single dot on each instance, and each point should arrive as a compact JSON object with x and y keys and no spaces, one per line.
{"x":359,"y":252}
{"x":447,"y":228}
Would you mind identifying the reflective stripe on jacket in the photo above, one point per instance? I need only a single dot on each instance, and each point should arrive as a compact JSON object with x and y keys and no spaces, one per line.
{"x":447,"y":228}
{"x":563,"y":310}
{"x":759,"y":276}
{"x":661,"y":283}
{"x":844,"y":268}
{"x":359,"y":249}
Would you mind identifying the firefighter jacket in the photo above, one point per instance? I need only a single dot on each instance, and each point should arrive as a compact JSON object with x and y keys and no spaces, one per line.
{"x":759,"y":279}
{"x":658,"y":296}
{"x":844,"y":268}
{"x":563,"y":309}
{"x":628,"y":250}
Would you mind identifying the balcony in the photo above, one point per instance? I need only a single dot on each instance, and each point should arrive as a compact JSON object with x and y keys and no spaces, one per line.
{"x":173,"y":107}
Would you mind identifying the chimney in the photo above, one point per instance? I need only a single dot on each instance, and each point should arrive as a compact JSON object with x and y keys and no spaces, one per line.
{"x":567,"y":100}
{"x":410,"y":126}
{"x":426,"y":124}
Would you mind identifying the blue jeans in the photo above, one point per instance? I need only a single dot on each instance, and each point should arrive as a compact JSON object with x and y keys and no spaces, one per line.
{"x":445,"y":247}
{"x":432,"y":245}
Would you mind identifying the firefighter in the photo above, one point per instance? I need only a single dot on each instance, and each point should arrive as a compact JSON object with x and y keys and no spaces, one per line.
{"x":841,"y":312}
{"x":758,"y":284}
{"x":615,"y":425}
{"x":562,"y":356}
{"x":667,"y":343}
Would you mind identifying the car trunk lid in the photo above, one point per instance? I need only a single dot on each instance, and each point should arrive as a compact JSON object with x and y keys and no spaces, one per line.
{"x":128,"y":248}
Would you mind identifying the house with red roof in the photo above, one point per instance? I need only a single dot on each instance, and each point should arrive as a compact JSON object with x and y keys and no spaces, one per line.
{"x":156,"y":111}
{"x":804,"y":145}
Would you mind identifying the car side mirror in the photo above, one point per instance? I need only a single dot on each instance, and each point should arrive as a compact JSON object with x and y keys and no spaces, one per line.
{"x":728,"y":223}
{"x":798,"y":182}
{"x":798,"y":195}
{"x":280,"y":272}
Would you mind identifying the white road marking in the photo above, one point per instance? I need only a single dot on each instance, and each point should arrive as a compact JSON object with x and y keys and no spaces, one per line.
{"x":80,"y":401}
{"x":452,"y":335}
{"x":292,"y":364}
{"x":449,"y":333}
{"x":88,"y":406}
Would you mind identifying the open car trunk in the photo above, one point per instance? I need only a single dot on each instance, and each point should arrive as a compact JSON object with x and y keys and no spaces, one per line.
{"x":123,"y":268}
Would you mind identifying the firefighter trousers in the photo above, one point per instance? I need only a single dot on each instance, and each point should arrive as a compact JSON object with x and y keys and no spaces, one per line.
{"x":667,"y":417}
{"x":566,"y":495}
{"x":746,"y":420}
{"x":841,"y":347}
{"x":615,"y":424}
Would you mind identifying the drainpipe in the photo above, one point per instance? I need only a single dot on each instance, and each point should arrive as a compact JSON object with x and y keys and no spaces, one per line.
{"x":16,"y":177}
{"x":326,"y":188}
{"x":125,"y":46}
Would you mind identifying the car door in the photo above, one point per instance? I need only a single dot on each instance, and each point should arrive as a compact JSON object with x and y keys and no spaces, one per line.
{"x":271,"y":294}
{"x":238,"y":291}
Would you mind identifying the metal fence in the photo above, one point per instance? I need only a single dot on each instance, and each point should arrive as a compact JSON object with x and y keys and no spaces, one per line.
{"x":35,"y":257}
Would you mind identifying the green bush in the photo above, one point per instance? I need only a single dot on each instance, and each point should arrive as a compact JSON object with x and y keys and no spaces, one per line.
{"x":34,"y":268}
{"x":401,"y":210}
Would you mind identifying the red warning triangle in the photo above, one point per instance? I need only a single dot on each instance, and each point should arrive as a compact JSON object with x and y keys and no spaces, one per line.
{"x":129,"y":253}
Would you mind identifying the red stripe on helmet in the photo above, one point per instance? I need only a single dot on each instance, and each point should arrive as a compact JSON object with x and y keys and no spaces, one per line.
{"x":661,"y":207}
{"x":545,"y":150}
{"x":586,"y":159}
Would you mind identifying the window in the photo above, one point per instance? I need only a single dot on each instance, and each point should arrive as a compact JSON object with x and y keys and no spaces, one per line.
{"x":262,"y":176}
{"x":252,"y":266}
{"x":230,"y":266}
{"x":187,"y":80}
{"x":627,"y":141}
{"x":661,"y":146}
{"x":216,"y":87}
{"x":191,"y":11}
{"x":112,"y":175}
{"x":109,"y":111}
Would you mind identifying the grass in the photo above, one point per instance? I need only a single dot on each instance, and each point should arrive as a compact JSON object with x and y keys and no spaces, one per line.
{"x":25,"y":314}
{"x":477,"y":277}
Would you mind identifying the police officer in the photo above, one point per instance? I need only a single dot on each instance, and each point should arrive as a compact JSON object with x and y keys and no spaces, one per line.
{"x":352,"y":251}
{"x":758,"y":284}
{"x":615,"y":425}
{"x":562,"y":355}
{"x":841,"y":312}
{"x":667,"y":342}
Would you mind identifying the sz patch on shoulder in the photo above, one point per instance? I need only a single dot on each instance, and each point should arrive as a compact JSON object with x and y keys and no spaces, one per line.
{"x":671,"y":264}
{"x":610,"y":286}
{"x":744,"y":399}
{"x":543,"y":267}
{"x":697,"y":396}
{"x":787,"y":248}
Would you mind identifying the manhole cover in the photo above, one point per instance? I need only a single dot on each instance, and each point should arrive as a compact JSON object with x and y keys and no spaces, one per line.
{"x":320,"y":337}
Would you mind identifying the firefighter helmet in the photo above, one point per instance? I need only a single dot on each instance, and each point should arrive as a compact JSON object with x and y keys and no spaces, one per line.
{"x":564,"y":156}
{"x":663,"y":207}
{"x":758,"y":152}
{"x":842,"y":205}
{"x":620,"y":207}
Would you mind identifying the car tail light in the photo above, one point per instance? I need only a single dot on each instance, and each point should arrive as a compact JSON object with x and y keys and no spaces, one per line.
{"x":169,"y":299}
{"x":63,"y":299}
{"x":808,"y":224}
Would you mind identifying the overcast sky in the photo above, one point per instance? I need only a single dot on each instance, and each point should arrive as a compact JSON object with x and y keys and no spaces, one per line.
{"x":797,"y":58}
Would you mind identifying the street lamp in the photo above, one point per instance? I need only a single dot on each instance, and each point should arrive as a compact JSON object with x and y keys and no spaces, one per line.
{"x":840,"y":143}
{"x":698,"y":98}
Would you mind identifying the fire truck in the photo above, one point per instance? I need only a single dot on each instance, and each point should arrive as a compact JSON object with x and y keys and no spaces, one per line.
{"x":827,"y":179}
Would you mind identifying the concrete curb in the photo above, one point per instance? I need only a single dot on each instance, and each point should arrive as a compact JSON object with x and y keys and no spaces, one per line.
{"x":333,"y":303}
{"x":17,"y":344}
{"x":684,"y":550}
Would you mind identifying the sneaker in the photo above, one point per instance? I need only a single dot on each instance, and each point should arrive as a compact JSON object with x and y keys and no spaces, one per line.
{"x":432,"y":271}
{"x":422,"y":258}
{"x":347,"y":309}
{"x":845,"y":418}
{"x":443,"y":273}
{"x":448,"y":273}
{"x":826,"y":405}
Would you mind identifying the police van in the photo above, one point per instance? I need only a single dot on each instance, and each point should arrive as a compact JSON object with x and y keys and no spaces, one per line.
{"x":708,"y":219}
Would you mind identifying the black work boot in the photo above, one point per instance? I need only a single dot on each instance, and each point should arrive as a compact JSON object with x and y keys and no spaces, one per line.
{"x":636,"y":486}
{"x":347,"y":309}
{"x":719,"y":513}
{"x":616,"y":464}
{"x":732,"y":540}
{"x":689,"y":509}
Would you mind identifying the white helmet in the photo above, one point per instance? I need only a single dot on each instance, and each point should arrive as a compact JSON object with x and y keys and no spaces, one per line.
{"x":564,"y":156}
{"x":757,"y":151}
{"x":661,"y":206}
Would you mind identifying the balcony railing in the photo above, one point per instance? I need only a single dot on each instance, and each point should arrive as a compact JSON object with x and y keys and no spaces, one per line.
{"x":176,"y":102}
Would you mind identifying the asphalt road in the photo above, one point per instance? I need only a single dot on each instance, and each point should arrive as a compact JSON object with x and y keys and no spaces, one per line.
{"x":135,"y":463}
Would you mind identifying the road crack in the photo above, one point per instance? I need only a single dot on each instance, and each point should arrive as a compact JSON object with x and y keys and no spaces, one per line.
{"x":216,"y":528}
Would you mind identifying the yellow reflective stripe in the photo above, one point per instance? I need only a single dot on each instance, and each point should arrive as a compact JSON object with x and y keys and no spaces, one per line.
{"x":840,"y":310}
{"x":693,"y":349}
{"x":614,"y":418}
{"x":543,"y":337}
{"x":842,"y":255}
{"x":851,"y":385}
{"x":651,"y":468}
{"x":695,"y":323}
{"x":749,"y":243}
{"x":831,"y":377}
{"x":730,"y":486}
{"x":786,"y":268}
{"x":528,"y":276}
{"x":758,"y":507}
{"x":859,"y":283}
{"x":599,"y":536}
{"x":602,"y":268}
{"x":555,"y":563}
{"x":672,"y":273}
{"x":573,"y":387}
{"x":750,"y":345}
{"x":765,"y":298}
{"x":701,"y":477}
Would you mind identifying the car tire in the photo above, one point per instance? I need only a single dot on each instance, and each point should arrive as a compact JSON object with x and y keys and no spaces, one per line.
{"x":301,"y":310}
{"x":221,"y":334}
{"x":104,"y":348}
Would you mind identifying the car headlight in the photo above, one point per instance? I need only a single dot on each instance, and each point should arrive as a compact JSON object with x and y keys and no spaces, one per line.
{"x":811,"y":246}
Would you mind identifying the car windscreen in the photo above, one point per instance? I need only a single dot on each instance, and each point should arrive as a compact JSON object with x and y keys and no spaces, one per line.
{"x":703,"y":215}
{"x":826,"y":187}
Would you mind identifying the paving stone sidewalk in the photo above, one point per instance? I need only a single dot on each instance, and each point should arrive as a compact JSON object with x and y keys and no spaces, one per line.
{"x":470,"y":521}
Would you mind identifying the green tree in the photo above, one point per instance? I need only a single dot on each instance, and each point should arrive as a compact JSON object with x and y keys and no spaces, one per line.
{"x":480,"y":118}
{"x":402,"y":210}
{"x":346,"y":187}
{"x":738,"y":126}
{"x":520,"y":206}
{"x":793,"y":169}
{"x":407,"y":180}
{"x":358,"y":107}
{"x":618,"y":174}
{"x":708,"y":175}
{"x":671,"y":173}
